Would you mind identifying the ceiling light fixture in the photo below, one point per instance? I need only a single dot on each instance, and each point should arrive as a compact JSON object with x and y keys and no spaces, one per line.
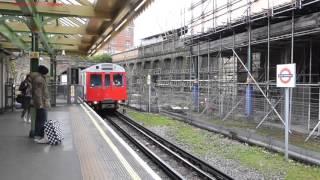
{"x":106,"y":39}
{"x":124,"y":21}
{"x":139,"y":6}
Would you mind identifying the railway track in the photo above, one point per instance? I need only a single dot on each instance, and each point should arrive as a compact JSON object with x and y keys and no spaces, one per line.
{"x":175,"y":162}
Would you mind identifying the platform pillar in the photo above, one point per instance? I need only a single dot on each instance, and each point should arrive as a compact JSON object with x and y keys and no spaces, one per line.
{"x":34,"y":63}
{"x":53,"y":85}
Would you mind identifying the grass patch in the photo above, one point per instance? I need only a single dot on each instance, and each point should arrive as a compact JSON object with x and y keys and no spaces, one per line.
{"x":151,"y":119}
{"x":202,"y":142}
{"x":296,"y":139}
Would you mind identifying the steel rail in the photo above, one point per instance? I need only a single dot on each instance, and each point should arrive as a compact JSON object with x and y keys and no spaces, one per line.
{"x":201,"y":167}
{"x":163,"y":165}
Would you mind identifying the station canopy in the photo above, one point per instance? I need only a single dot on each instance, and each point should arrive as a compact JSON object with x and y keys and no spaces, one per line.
{"x":74,"y":26}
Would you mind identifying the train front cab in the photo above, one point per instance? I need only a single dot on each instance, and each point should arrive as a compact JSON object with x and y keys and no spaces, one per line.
{"x":106,"y":90}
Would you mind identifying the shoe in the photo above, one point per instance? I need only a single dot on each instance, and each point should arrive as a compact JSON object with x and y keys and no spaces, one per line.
{"x":37,"y":137}
{"x":42,"y":141}
{"x":24,"y":119}
{"x":29,"y":120}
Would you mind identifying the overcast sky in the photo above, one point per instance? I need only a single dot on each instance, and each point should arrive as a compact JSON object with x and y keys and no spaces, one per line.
{"x":164,"y":15}
{"x":160,"y":16}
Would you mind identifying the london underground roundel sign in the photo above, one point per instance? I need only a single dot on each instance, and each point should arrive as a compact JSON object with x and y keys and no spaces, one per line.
{"x":286,"y":75}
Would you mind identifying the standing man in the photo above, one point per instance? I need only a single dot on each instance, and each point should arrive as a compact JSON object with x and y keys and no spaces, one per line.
{"x":41,"y":102}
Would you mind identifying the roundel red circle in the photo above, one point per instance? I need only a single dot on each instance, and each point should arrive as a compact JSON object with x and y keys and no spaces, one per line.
{"x":285,"y":75}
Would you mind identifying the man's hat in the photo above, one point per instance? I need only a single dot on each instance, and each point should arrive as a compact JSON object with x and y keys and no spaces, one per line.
{"x":43,"y":70}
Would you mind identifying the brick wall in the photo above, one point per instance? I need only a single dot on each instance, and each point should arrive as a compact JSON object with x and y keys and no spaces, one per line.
{"x":122,"y":42}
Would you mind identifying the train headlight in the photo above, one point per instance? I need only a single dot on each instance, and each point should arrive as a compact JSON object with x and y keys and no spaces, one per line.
{"x":119,"y":101}
{"x":95,"y":102}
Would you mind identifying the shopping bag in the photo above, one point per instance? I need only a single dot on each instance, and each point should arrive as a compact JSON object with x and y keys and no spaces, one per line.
{"x":52,"y":129}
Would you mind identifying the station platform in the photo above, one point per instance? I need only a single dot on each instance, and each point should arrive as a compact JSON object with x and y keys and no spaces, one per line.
{"x":90,"y":150}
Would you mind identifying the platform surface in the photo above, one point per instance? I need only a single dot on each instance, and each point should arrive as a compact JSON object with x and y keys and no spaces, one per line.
{"x":84,"y":153}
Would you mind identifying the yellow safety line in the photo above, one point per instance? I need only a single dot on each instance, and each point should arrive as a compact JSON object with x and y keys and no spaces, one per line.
{"x":123,"y":161}
{"x":128,"y":148}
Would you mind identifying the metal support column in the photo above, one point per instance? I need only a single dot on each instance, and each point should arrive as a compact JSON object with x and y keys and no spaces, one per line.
{"x":268,"y":52}
{"x":249,"y":89}
{"x":219,"y":79}
{"x":34,"y":63}
{"x":214,"y":3}
{"x":310,"y":81}
{"x":291,"y":61}
{"x":53,"y":86}
{"x":1,"y":84}
{"x":287,"y":122}
{"x":235,"y":89}
{"x":198,"y":78}
{"x":208,"y":83}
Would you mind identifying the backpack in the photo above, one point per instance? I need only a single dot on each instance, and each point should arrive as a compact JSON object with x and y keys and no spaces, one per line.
{"x":19,"y":98}
{"x":23,"y":86}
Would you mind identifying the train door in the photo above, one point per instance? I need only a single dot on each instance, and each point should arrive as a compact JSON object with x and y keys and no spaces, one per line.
{"x":107,"y":92}
{"x":94,"y":87}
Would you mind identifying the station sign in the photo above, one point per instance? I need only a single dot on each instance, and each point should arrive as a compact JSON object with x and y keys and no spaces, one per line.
{"x":72,"y":94}
{"x":286,"y":75}
{"x":34,"y":55}
{"x":148,"y":79}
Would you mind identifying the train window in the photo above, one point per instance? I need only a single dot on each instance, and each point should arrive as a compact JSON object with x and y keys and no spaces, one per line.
{"x":95,"y":80}
{"x":117,"y":79}
{"x":107,"y":80}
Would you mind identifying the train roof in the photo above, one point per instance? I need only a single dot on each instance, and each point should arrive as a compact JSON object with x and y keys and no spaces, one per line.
{"x":104,"y":67}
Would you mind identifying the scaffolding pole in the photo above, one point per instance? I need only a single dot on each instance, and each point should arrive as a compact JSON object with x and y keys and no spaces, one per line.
{"x":318,"y":125}
{"x":219,"y":74}
{"x":249,"y":89}
{"x":256,"y":83}
{"x":310,"y":81}
{"x":208,"y":84}
{"x":268,"y":51}
{"x":198,"y":79}
{"x":234,"y":71}
{"x":292,"y":54}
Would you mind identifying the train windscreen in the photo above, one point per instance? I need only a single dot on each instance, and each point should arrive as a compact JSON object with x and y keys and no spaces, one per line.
{"x":118,"y":80}
{"x":95,"y":80}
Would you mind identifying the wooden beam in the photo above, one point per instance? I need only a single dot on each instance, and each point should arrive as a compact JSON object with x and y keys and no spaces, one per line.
{"x":8,"y":45}
{"x":59,"y":40}
{"x":53,"y":9}
{"x":50,"y":29}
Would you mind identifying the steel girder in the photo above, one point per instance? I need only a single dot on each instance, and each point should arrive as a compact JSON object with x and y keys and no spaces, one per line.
{"x":35,"y":22}
{"x":12,"y":37}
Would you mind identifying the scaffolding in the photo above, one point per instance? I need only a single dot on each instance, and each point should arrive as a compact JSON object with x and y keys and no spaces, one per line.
{"x":233,"y":65}
{"x":229,"y":87}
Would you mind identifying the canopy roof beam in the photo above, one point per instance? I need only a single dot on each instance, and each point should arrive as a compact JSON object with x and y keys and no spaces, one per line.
{"x":12,"y":37}
{"x":8,"y":45}
{"x":50,"y":29}
{"x":52,"y":9}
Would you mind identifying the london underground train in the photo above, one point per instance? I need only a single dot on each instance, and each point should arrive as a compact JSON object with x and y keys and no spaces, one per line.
{"x":105,"y":85}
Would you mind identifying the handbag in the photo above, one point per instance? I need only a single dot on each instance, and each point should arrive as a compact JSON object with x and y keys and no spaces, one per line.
{"x":52,"y":129}
{"x":19,"y":98}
